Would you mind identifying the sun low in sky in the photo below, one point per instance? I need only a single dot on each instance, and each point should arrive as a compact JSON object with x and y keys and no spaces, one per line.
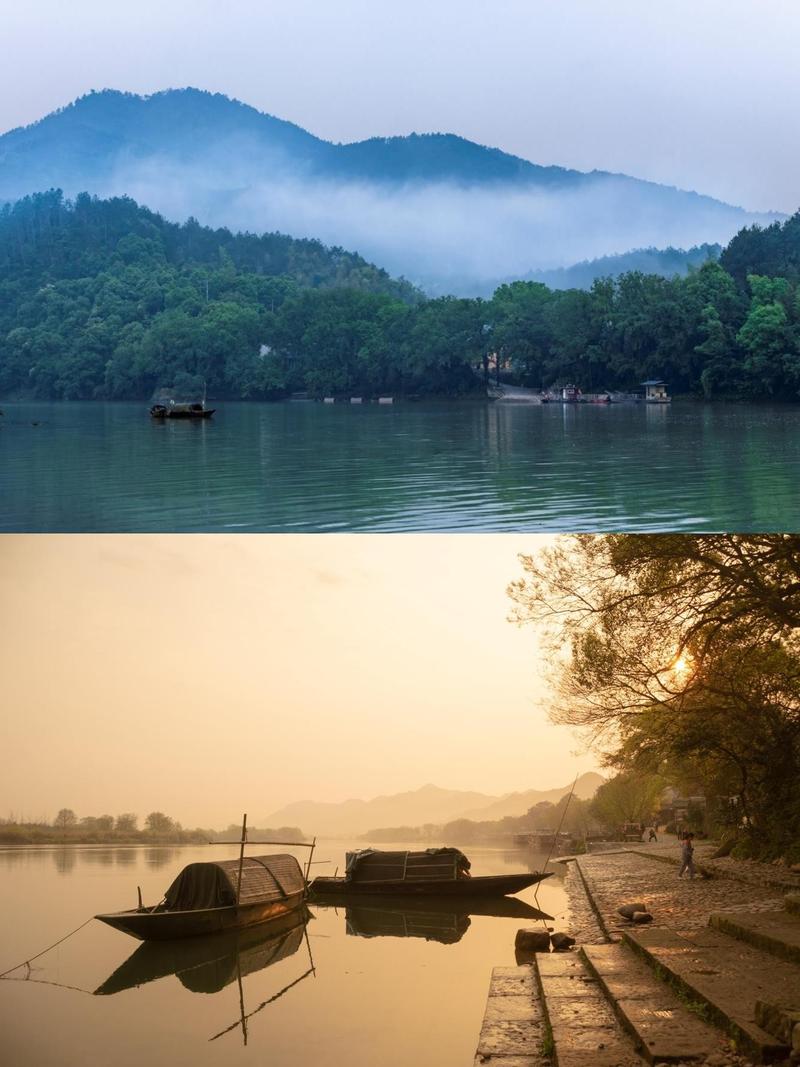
{"x":209,"y":675}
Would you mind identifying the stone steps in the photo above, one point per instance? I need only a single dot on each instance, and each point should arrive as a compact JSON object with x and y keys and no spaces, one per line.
{"x":725,"y":976}
{"x":513,"y":1028}
{"x":583,"y":1029}
{"x":780,"y":1022}
{"x":663,"y":1028}
{"x":775,"y":932}
{"x":792,"y":903}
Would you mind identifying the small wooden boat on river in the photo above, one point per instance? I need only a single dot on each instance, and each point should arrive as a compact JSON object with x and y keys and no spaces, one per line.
{"x":434,"y":872}
{"x":172,"y":409}
{"x":214,"y":897}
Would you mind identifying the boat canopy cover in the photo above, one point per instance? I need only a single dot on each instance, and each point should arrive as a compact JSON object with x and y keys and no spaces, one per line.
{"x":213,"y":885}
{"x":433,"y":864}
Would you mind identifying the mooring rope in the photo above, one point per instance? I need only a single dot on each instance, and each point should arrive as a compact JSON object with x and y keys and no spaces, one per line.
{"x":27,"y":962}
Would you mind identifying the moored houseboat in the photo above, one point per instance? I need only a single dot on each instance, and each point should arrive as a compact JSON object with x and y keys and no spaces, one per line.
{"x":442,"y":872}
{"x":655,"y":392}
{"x":571,"y":394}
{"x":214,"y":897}
{"x":173,"y":409}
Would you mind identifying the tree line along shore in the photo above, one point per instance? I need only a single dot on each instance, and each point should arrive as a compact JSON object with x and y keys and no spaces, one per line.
{"x":68,"y":829}
{"x":104,"y":299}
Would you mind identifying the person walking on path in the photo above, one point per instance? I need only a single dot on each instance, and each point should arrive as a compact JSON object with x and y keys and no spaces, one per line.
{"x":687,"y":854}
{"x":652,"y":835}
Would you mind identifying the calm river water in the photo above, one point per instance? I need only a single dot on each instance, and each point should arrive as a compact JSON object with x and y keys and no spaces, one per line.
{"x":388,"y":986}
{"x":458,"y":466}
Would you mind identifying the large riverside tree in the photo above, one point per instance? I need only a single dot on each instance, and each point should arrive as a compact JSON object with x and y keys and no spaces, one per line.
{"x":679,"y":656}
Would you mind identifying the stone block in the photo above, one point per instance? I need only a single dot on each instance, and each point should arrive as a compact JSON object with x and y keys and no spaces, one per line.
{"x":574,"y":1038}
{"x":573,"y":985}
{"x":779,"y":1021}
{"x":627,"y":911}
{"x":512,"y":981}
{"x":510,"y":1038}
{"x":511,"y":1061}
{"x":608,"y":959}
{"x":512,"y":1009}
{"x":561,"y":941}
{"x":606,"y":1057}
{"x":578,"y":1013}
{"x":532,"y":941}
{"x":666,"y":1029}
{"x":556,"y":963}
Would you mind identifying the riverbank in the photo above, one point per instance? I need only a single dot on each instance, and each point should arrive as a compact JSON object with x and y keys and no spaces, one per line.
{"x":57,"y":840}
{"x":714,"y":978}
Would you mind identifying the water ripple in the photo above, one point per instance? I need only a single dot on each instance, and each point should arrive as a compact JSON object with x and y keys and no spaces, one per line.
{"x":418,"y":467}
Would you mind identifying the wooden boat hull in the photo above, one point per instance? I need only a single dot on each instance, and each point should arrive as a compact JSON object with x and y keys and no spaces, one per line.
{"x":496,"y":885}
{"x":183,"y":414}
{"x":169,"y":925}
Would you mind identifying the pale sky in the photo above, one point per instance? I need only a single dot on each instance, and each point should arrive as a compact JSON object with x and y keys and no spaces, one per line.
{"x":702,"y":94}
{"x":205,"y":676}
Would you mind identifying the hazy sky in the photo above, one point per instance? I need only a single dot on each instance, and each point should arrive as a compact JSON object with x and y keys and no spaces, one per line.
{"x":697,"y":93}
{"x":205,"y":676}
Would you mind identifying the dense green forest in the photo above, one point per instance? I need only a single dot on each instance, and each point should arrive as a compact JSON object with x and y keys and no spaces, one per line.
{"x":105,"y":299}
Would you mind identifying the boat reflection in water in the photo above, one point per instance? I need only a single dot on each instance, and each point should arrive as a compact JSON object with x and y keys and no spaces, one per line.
{"x":434,"y":919}
{"x":209,"y":964}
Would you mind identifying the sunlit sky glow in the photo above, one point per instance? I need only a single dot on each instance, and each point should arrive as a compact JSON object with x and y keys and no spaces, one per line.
{"x":209,"y":675}
{"x":699,"y":95}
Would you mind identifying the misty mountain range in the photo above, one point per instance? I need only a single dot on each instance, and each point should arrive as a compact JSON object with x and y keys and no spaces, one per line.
{"x":449,"y":214}
{"x":429,"y":804}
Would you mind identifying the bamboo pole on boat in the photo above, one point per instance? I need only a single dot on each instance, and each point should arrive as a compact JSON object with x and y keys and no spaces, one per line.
{"x":241,"y":857}
{"x":308,"y":865}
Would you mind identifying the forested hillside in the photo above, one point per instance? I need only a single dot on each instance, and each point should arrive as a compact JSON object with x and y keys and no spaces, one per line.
{"x":454,"y":216}
{"x":105,"y":299}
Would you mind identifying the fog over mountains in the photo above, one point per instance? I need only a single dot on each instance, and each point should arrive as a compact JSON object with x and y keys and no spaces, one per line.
{"x":429,"y":804}
{"x":451,"y":215}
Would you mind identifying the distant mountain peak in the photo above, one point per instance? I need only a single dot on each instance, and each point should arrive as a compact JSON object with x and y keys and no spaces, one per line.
{"x":448,"y":213}
{"x":427,"y":804}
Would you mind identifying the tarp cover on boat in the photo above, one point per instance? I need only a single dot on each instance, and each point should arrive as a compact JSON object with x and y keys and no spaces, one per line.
{"x":371,"y":865}
{"x":213,"y":885}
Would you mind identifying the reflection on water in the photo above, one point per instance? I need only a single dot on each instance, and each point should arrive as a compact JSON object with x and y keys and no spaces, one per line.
{"x":208,"y":964}
{"x":445,"y":921}
{"x":160,"y":856}
{"x":363,"y":984}
{"x":449,"y":466}
{"x":102,"y":857}
{"x":65,"y":859}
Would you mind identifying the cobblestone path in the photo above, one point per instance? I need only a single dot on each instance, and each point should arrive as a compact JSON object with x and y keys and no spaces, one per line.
{"x":683,"y":904}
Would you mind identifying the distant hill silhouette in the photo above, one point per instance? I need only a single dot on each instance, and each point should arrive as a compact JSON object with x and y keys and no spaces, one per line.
{"x":439,"y":209}
{"x":519,"y":803}
{"x":86,"y":139}
{"x":668,"y":262}
{"x":429,"y":804}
